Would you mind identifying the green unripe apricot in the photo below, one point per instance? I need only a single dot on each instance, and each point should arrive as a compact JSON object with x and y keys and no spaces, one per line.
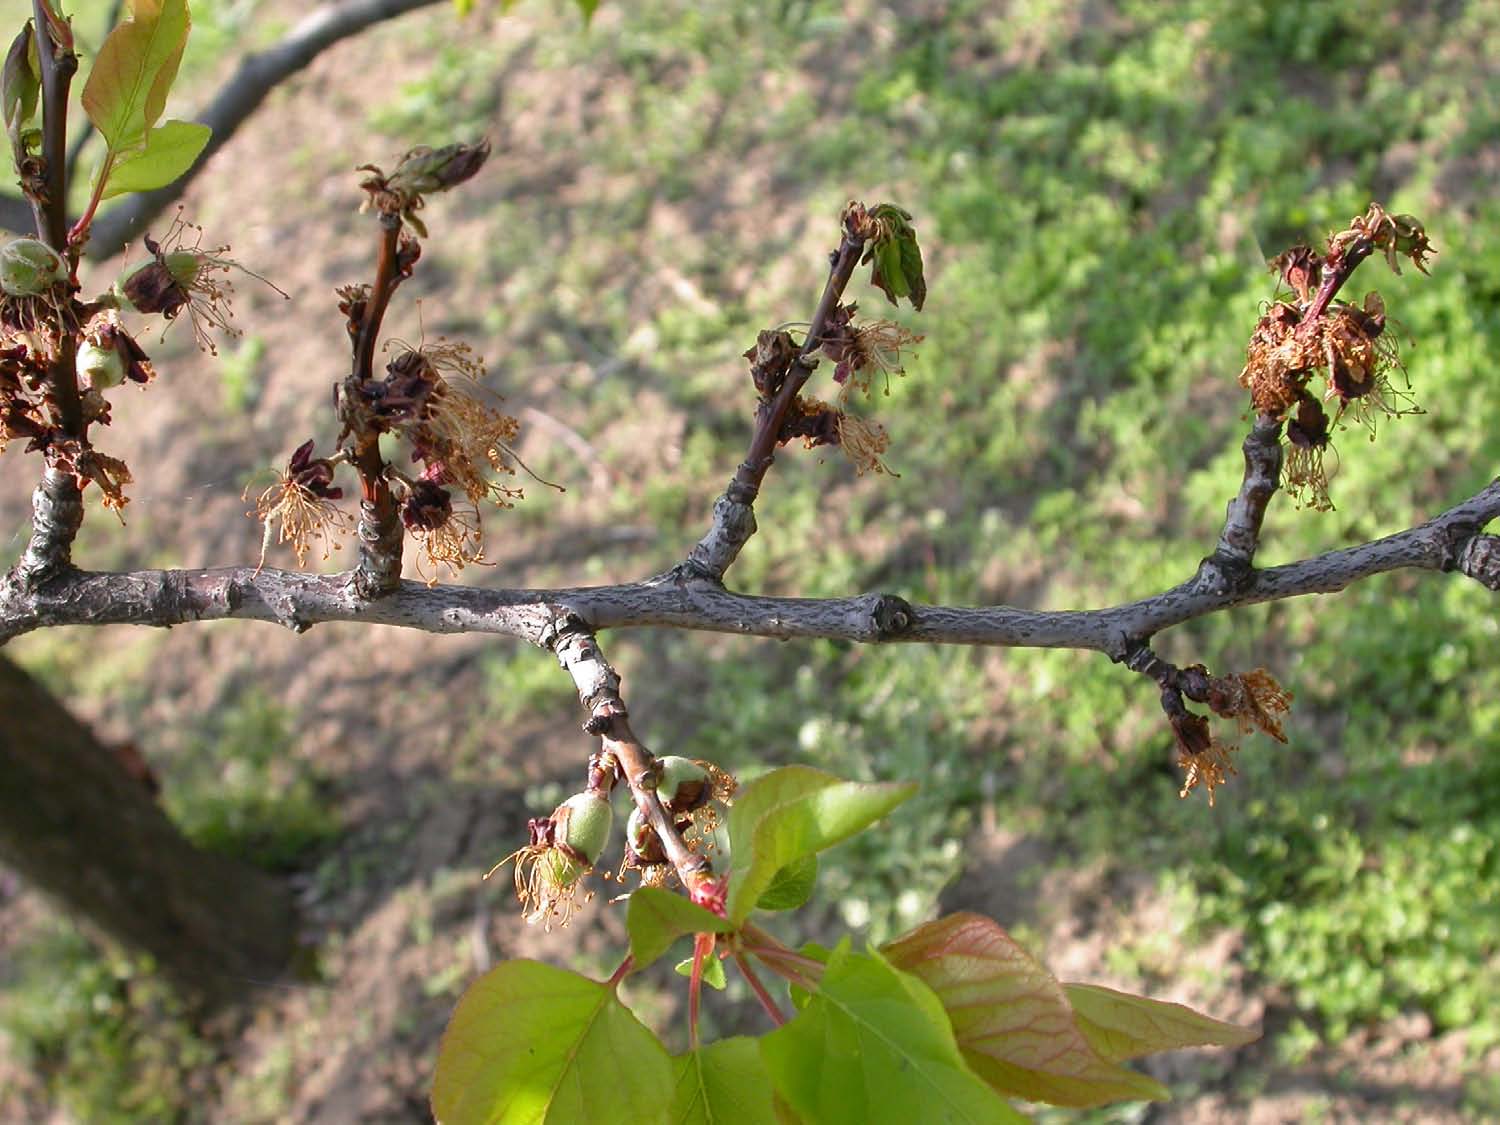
{"x":100,"y":368}
{"x":683,"y":784}
{"x":583,"y":823}
{"x":29,"y":268}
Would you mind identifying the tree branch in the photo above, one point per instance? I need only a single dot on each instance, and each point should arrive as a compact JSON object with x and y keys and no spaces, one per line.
{"x":598,"y":686}
{"x":1449,"y":542}
{"x":734,"y":513}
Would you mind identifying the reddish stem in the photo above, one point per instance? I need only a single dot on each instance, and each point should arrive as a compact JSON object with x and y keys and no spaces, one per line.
{"x":703,"y":945}
{"x":760,"y":991}
{"x":622,"y":972}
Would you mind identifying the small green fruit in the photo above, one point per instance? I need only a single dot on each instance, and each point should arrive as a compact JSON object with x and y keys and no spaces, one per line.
{"x":583,"y":823}
{"x":100,"y":368}
{"x":29,"y":268}
{"x":684,"y":783}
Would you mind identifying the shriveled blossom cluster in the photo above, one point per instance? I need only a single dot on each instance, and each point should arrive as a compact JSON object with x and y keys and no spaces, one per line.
{"x":861,"y":353}
{"x":693,"y":792}
{"x":1254,"y":700}
{"x":1348,"y":345}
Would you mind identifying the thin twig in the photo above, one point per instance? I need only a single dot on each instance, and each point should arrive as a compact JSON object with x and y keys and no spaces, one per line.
{"x":734,"y":515}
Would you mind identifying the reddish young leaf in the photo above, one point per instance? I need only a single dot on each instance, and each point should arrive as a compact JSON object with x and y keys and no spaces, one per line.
{"x":1010,"y":1016}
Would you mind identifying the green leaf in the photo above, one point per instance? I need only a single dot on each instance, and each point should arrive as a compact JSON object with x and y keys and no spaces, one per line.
{"x":19,"y":87}
{"x":713,"y":971}
{"x":536,"y":1044}
{"x":911,"y":269}
{"x":127,"y":88}
{"x":887,"y":275}
{"x":791,"y":886}
{"x":170,"y":151}
{"x":657,"y":918}
{"x":1121,"y":1026}
{"x":874,"y":1046}
{"x":791,"y":813}
{"x":723,"y":1082}
{"x":588,"y":8}
{"x":1011,"y":1018}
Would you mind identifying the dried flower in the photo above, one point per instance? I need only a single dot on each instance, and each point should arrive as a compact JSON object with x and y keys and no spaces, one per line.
{"x":862,"y":352}
{"x":563,"y":848}
{"x":181,"y":276}
{"x":299,"y":508}
{"x":1209,"y":768}
{"x":863,"y":442}
{"x":445,"y":535}
{"x":1308,"y":437}
{"x":1253,"y":699}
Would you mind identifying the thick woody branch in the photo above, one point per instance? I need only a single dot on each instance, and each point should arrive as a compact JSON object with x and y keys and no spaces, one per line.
{"x":1449,"y":542}
{"x":734,"y":515}
{"x":598,"y":686}
{"x":56,"y":516}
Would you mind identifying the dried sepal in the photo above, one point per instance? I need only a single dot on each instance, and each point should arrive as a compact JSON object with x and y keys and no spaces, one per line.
{"x":109,"y":473}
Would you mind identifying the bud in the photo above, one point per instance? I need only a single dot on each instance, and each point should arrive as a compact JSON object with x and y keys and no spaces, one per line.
{"x":425,"y":170}
{"x":29,"y":268}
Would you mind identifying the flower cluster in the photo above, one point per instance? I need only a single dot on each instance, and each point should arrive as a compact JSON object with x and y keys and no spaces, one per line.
{"x":693,"y":792}
{"x":1254,"y":700}
{"x":1348,"y":345}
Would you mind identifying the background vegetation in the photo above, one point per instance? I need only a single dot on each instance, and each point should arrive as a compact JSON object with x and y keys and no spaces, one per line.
{"x":1096,"y":186}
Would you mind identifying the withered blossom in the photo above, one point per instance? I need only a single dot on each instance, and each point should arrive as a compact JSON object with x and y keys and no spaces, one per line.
{"x":445,"y":535}
{"x":299,"y":509}
{"x":1308,"y":437}
{"x":182,"y":276}
{"x":1204,"y":760}
{"x":860,"y":352}
{"x":863,"y":442}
